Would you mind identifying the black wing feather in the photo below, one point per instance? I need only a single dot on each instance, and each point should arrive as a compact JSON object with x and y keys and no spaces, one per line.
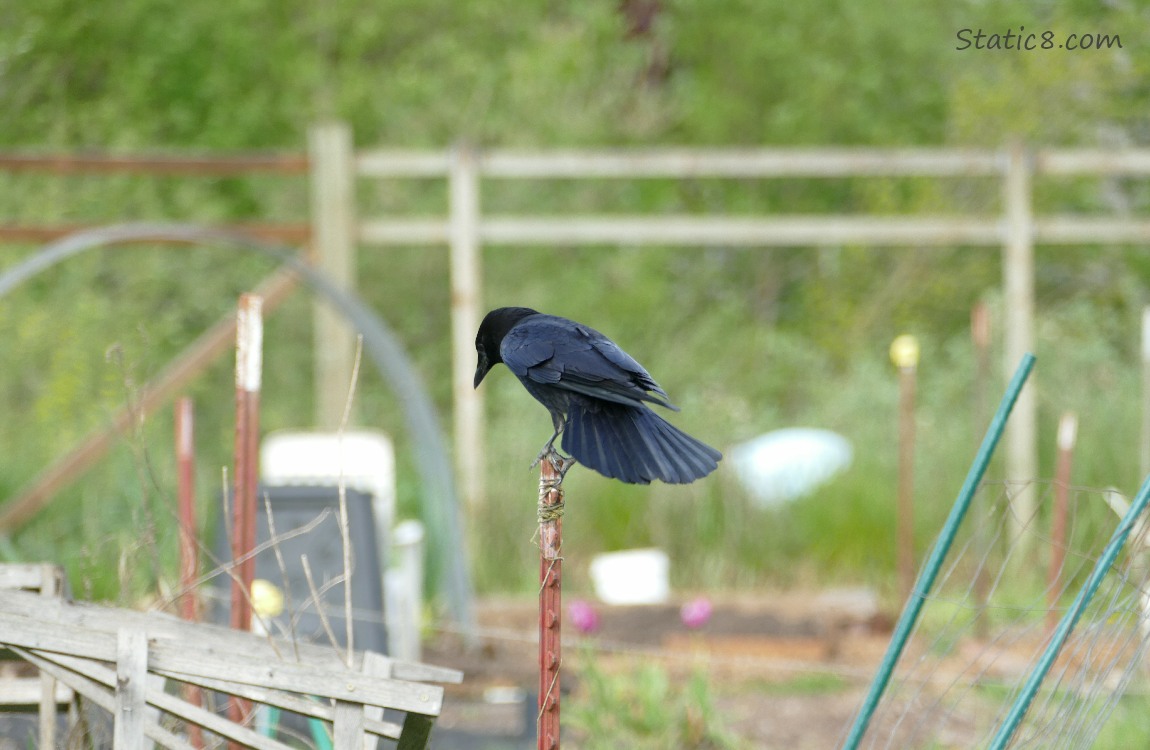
{"x":559,"y":352}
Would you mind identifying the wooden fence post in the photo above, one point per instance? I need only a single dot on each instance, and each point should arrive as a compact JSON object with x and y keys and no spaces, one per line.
{"x":1018,"y":302}
{"x":50,"y":585}
{"x":1067,"y":435}
{"x":465,"y":303}
{"x":333,"y":246}
{"x":131,"y":683}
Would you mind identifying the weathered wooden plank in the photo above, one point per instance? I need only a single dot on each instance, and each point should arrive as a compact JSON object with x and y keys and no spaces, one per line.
{"x":100,"y":696}
{"x":347,"y":729}
{"x":51,"y":578}
{"x":21,"y":575}
{"x":131,"y":677}
{"x":692,"y":163}
{"x":286,"y":701}
{"x":374,"y":665}
{"x":156,"y":697}
{"x":345,"y":685}
{"x":191,"y":659}
{"x":26,"y":691}
{"x":161,"y":625}
{"x":778,"y":231}
{"x":172,"y":704}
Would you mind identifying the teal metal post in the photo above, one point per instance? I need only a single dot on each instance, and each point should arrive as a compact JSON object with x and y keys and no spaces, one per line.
{"x":1070,"y":619}
{"x":925,"y":582}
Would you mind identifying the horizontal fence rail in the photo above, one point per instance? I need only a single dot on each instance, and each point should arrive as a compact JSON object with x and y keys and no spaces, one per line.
{"x":155,"y":164}
{"x":748,"y":163}
{"x":814,"y":230}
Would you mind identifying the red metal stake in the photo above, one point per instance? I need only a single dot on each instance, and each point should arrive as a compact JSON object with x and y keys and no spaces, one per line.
{"x":249,"y":339}
{"x":249,"y":346}
{"x":550,"y":600}
{"x":189,"y":558}
{"x":1067,"y":436}
{"x":980,"y":338}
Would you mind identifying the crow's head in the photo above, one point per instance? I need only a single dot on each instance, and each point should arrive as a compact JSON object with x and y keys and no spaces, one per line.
{"x":492,"y":330}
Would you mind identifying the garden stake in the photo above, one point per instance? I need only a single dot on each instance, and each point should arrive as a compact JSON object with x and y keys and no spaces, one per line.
{"x":551,"y":471}
{"x":189,"y":558}
{"x":249,"y":367}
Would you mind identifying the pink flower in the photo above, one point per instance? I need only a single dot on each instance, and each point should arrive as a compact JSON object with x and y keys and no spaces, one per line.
{"x":696,"y":612}
{"x":583,"y":616}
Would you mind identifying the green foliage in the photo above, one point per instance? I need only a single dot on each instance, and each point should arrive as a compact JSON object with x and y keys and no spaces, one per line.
{"x":645,"y":709}
{"x":745,"y":340}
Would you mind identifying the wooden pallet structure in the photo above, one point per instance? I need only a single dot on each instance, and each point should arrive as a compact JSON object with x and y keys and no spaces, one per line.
{"x":124,"y":662}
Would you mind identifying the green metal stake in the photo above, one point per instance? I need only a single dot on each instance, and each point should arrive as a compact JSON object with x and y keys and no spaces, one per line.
{"x":925,"y":582}
{"x":1070,"y":619}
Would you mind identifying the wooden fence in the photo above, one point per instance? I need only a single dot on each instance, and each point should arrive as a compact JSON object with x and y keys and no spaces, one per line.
{"x":335,"y":230}
{"x":120,"y":661}
{"x":1015,"y":229}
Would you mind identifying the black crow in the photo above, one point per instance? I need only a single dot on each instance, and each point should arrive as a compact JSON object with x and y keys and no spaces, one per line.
{"x":597,"y":395}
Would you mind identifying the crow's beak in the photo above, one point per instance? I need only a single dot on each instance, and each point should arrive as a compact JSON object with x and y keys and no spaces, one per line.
{"x":481,"y":370}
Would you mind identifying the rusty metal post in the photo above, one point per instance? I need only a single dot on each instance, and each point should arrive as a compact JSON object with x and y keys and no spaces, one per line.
{"x":980,"y":338}
{"x":189,"y":558}
{"x":185,"y":495}
{"x":1067,"y":436}
{"x":249,"y":346}
{"x":904,"y":353}
{"x":1144,"y":447}
{"x":550,"y":598}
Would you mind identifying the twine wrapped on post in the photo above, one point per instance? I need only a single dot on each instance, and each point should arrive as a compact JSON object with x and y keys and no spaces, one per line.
{"x":552,"y":468}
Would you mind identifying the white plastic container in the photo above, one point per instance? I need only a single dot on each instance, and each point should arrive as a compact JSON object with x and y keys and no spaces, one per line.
{"x":636,"y":576}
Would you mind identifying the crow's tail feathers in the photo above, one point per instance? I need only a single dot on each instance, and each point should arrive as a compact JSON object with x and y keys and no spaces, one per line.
{"x":634,"y":445}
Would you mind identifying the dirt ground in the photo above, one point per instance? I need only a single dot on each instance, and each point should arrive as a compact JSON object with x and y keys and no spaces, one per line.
{"x":787,"y":670}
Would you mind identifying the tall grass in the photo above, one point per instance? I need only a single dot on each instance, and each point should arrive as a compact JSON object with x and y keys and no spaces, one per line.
{"x":689,"y":316}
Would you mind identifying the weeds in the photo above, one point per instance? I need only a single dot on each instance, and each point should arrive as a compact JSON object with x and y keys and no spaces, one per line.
{"x":645,"y":709}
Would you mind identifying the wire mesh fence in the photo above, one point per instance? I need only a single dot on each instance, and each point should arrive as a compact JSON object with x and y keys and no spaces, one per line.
{"x":992,"y":614}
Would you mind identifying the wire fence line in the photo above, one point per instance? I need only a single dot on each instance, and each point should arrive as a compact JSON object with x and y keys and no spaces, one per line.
{"x":954,"y":687}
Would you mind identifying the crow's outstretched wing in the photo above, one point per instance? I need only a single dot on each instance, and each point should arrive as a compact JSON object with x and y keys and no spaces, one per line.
{"x":555,"y":351}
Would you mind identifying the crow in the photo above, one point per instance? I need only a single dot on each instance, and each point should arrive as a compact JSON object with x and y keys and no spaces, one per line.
{"x":597,"y":395}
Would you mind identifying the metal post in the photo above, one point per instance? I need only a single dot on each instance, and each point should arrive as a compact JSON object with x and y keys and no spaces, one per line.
{"x":904,"y":353}
{"x":1067,"y":434}
{"x":550,"y":601}
{"x":980,"y":338}
{"x":189,"y":557}
{"x":249,"y":366}
{"x":466,"y":287}
{"x":185,"y":498}
{"x":938,"y":553}
{"x":1144,"y":454}
{"x":1018,"y":301}
{"x":333,"y":244}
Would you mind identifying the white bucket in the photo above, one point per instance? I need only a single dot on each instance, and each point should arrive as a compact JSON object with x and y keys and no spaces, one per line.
{"x":637,"y":576}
